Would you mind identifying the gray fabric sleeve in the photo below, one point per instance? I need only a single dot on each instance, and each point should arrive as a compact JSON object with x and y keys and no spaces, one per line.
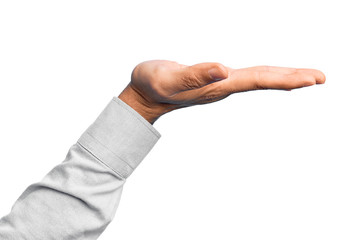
{"x":78,"y":198}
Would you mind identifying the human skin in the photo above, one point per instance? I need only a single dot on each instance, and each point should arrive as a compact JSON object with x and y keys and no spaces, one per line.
{"x":160,"y":86}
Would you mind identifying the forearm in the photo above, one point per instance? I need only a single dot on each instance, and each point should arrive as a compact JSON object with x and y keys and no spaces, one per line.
{"x":78,"y":198}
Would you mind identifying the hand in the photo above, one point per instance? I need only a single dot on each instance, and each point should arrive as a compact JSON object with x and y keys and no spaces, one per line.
{"x":160,"y":86}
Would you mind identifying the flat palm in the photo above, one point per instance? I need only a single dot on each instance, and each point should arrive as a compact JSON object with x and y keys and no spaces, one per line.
{"x":177,"y":85}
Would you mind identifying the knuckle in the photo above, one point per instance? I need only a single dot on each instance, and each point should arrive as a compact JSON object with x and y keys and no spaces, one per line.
{"x":213,"y":94}
{"x":191,"y":81}
{"x":257,"y":80}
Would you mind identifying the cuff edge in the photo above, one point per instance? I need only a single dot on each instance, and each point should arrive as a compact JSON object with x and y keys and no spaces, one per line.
{"x":137,"y":115}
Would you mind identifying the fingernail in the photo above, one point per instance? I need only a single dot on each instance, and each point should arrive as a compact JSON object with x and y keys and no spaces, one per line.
{"x":216,"y":74}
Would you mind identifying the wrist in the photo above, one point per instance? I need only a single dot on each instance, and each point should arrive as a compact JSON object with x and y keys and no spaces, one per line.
{"x":149,"y":111}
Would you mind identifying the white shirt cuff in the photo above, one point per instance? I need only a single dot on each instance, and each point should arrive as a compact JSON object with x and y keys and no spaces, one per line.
{"x":120,"y":137}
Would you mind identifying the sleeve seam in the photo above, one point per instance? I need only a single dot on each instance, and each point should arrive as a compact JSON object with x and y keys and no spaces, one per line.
{"x":103,"y":163}
{"x":110,"y":150}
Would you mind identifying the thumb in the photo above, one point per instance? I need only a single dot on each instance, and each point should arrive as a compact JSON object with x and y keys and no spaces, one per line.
{"x":199,"y":75}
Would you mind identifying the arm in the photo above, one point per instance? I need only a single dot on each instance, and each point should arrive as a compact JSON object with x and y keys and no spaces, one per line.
{"x":78,"y":198}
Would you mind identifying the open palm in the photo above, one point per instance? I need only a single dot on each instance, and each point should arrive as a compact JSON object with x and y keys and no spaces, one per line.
{"x":162,"y":86}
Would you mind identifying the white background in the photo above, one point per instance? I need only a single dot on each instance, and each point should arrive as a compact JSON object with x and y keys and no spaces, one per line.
{"x":264,"y":164}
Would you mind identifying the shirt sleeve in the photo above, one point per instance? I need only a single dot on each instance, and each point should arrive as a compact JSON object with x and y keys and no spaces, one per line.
{"x":78,"y":198}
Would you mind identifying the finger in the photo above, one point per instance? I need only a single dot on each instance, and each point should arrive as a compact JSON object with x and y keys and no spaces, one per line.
{"x":273,"y":80}
{"x":319,"y":76}
{"x":283,"y":70}
{"x":244,"y":80}
{"x":197,"y":76}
